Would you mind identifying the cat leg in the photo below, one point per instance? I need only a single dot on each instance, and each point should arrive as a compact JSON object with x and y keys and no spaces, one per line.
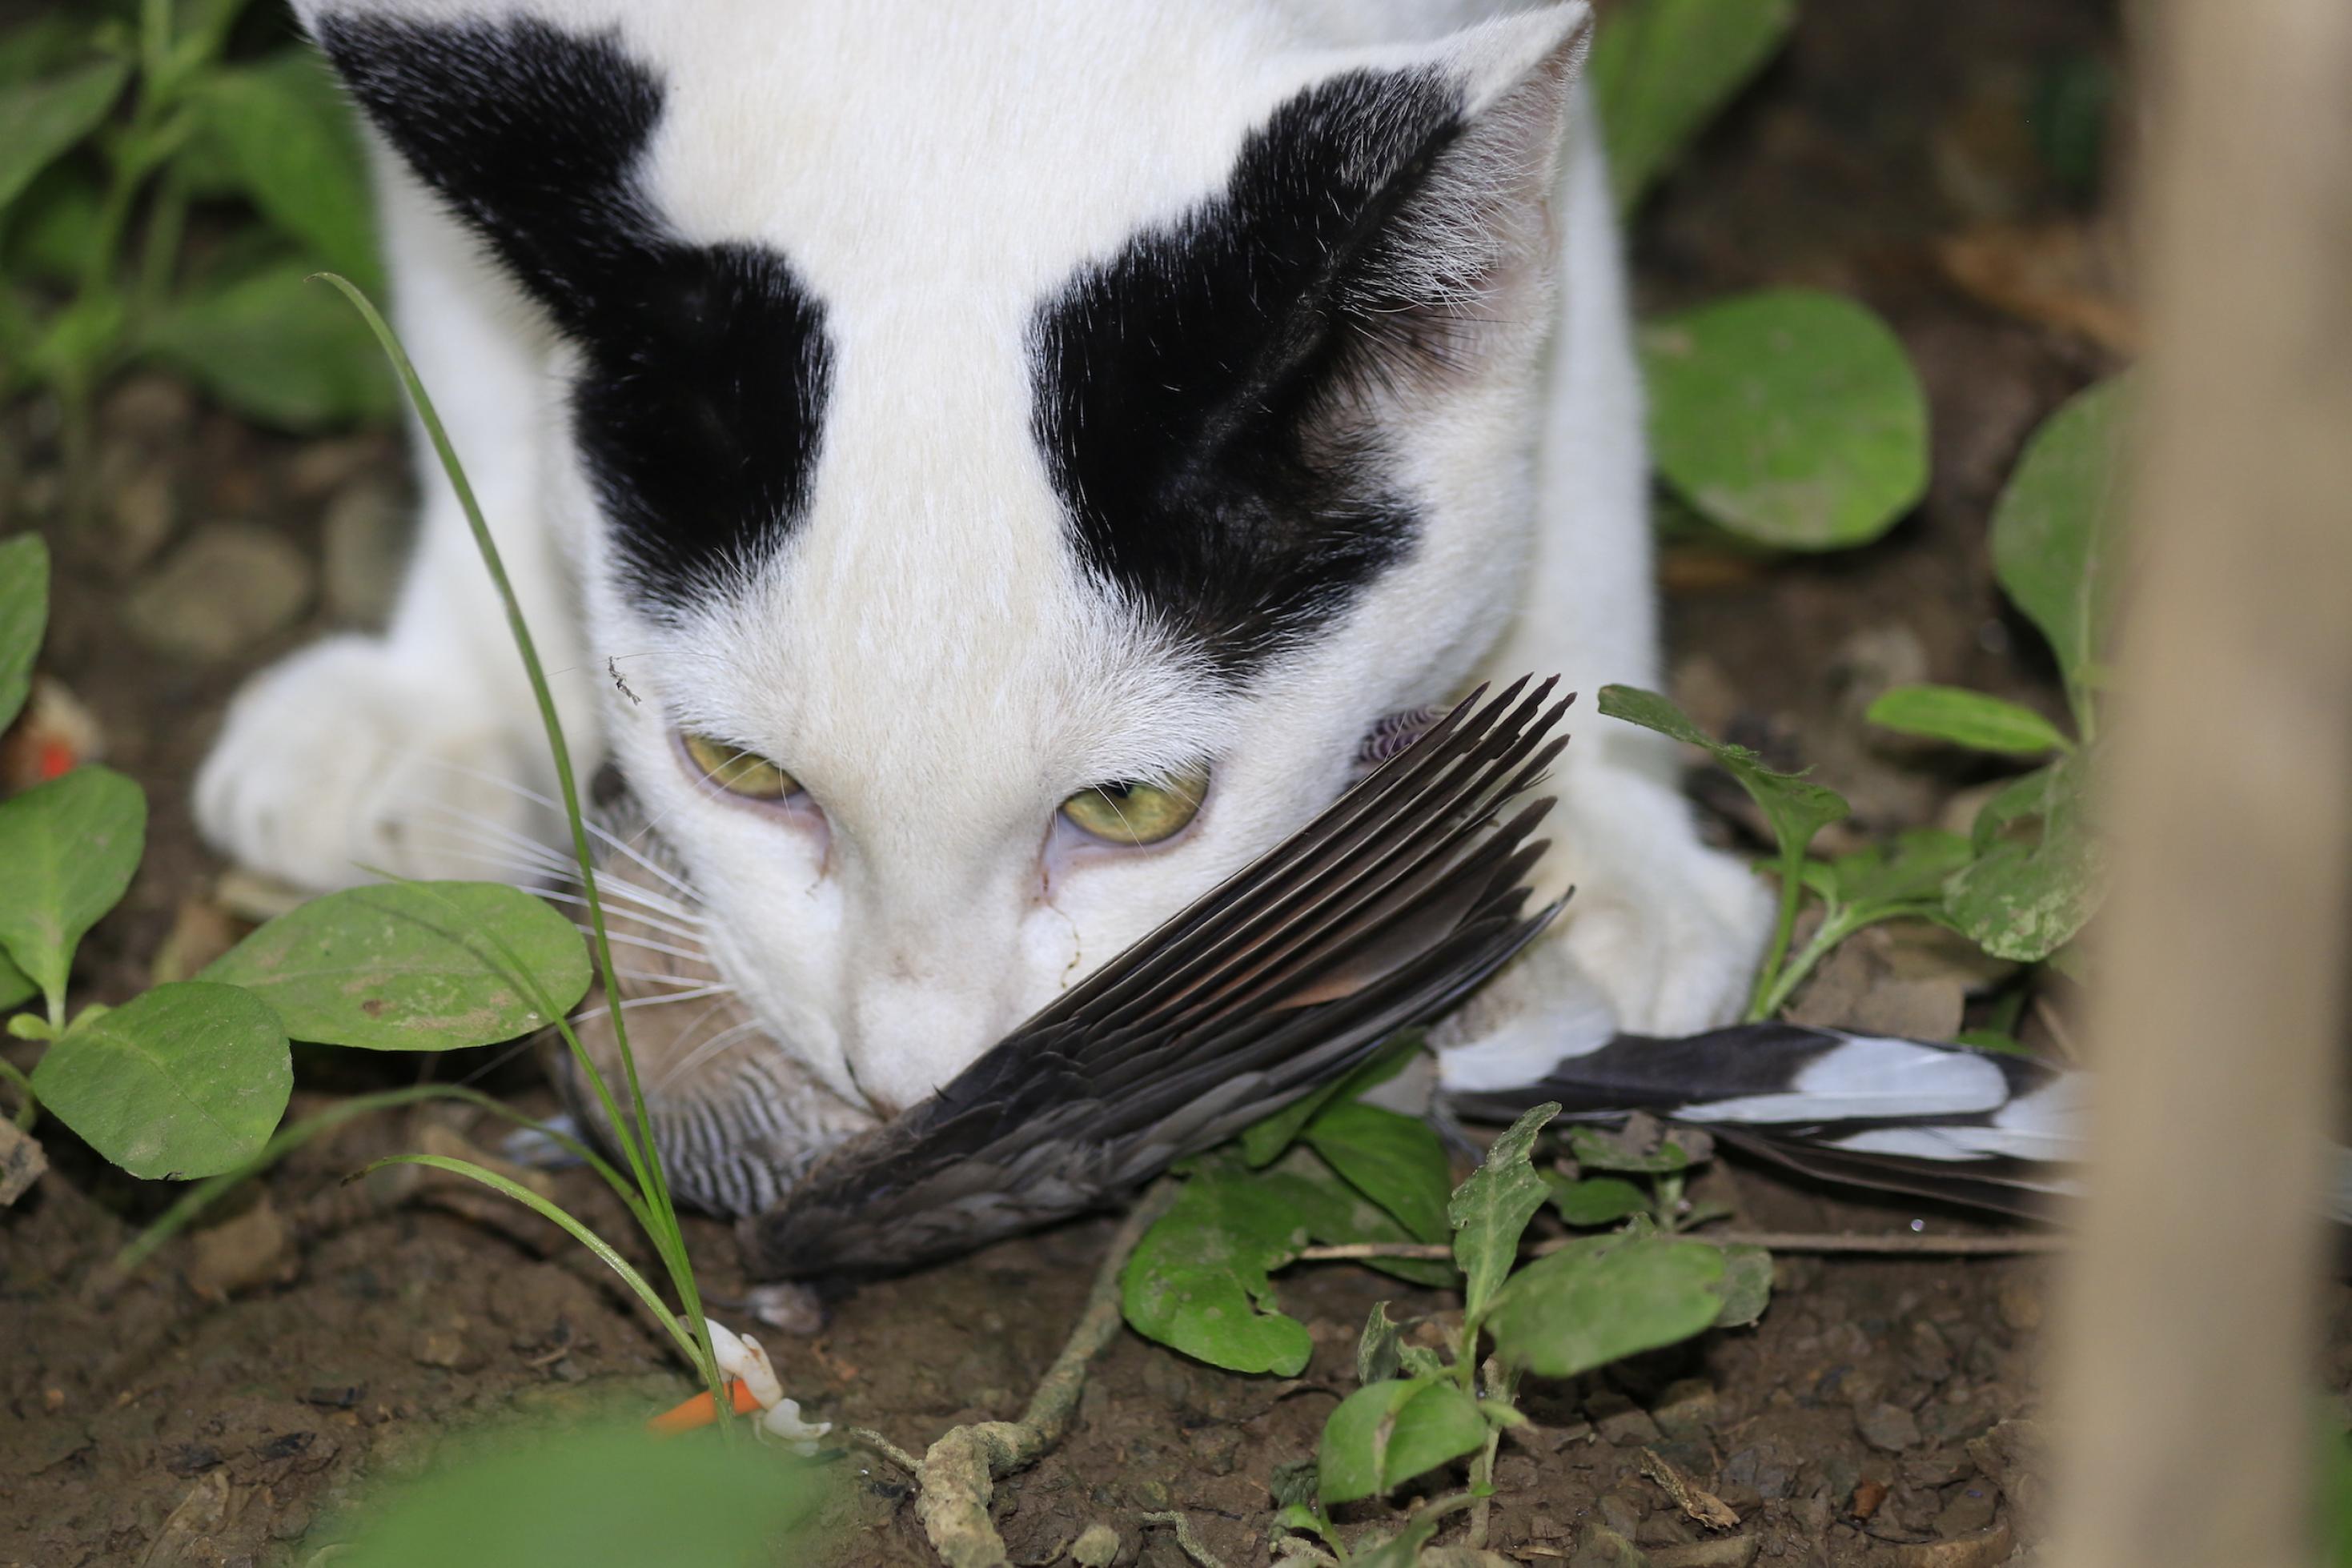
{"x":397,"y":752}
{"x":1666,"y":929}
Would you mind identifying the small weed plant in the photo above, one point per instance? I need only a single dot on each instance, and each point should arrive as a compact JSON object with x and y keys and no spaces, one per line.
{"x":191,"y":1080}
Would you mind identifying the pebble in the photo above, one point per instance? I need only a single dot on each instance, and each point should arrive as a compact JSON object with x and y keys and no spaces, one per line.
{"x":22,"y":1161}
{"x":2020,"y":1305}
{"x":364,"y":541}
{"x":141,"y":510}
{"x":1096,"y":1547}
{"x":1687,"y":1409}
{"x":230,"y":587}
{"x":1620,"y":1513}
{"x":1887,"y":1426}
{"x":1726,"y":1552}
{"x":1628,"y":1428}
{"x":252,"y":1249}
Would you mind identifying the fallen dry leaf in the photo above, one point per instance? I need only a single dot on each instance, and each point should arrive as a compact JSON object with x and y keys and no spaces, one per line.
{"x":1693,"y":1500}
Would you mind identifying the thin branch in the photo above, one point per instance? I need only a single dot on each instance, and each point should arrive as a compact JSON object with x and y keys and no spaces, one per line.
{"x":1894,"y":1243}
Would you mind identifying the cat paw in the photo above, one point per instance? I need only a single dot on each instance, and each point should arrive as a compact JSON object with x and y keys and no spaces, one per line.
{"x":1668,"y":930}
{"x":345,"y":759}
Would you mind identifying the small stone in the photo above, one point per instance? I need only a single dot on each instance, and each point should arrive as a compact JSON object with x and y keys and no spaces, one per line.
{"x":1629,"y":1428}
{"x":1096,"y":1547}
{"x":252,"y":1249}
{"x":53,"y":1400}
{"x":292,"y":1523}
{"x":1514,"y":1472}
{"x":149,"y":408}
{"x":2020,"y":1305}
{"x":228,"y":588}
{"x":1602,"y":1547}
{"x":1968,"y":1510}
{"x":1687,"y":1409}
{"x":1149,"y":1493}
{"x":1986,"y":1549}
{"x":365,"y":538}
{"x":141,"y":510}
{"x":1620,"y":1513}
{"x":443,"y":1347}
{"x":22,"y":1161}
{"x":1889,"y":1427}
{"x":192,"y":1460}
{"x":1725,"y":1552}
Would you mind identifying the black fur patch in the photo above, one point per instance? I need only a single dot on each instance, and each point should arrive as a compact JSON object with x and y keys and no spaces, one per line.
{"x":699,"y":402}
{"x":1184,"y":384}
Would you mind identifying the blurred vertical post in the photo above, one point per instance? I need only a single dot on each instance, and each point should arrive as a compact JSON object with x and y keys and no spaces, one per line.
{"x":2184,"y":1359}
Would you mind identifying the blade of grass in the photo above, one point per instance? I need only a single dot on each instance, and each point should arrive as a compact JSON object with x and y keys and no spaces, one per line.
{"x":689,"y":1343}
{"x":636,"y":1141}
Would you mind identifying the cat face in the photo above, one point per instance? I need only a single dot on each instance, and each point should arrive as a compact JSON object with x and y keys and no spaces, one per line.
{"x":1016,"y":458}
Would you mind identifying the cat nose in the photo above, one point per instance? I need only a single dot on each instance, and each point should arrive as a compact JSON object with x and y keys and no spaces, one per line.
{"x":910,"y":1036}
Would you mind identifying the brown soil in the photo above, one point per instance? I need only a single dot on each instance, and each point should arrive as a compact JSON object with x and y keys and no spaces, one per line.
{"x":320,"y":1339}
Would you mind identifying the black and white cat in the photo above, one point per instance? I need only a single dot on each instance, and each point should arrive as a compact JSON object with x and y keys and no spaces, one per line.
{"x":1015,"y":454}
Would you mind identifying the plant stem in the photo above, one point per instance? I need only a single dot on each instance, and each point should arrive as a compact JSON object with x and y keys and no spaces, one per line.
{"x":28,"y":1105}
{"x":1901,"y":1242}
{"x":637,"y":1139}
{"x":1761,"y":1005}
{"x":957,"y":1477}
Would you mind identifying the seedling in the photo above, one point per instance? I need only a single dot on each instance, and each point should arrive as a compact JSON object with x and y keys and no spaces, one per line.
{"x":114,"y":132}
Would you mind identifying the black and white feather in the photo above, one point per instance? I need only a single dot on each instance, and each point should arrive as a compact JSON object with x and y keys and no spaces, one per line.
{"x":1980,"y":1127}
{"x":1377,"y":916}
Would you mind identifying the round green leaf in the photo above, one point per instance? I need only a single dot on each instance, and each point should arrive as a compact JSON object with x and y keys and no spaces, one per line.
{"x":1595,"y":1201}
{"x":1789,"y":417}
{"x":24,"y":615}
{"x":1973,"y":719}
{"x":1604,"y":1297}
{"x":186,"y":1081}
{"x":1394,"y":1160}
{"x":1197,"y":1283}
{"x":1385,"y":1434}
{"x":2057,"y":531}
{"x":67,"y":849}
{"x":424,"y":965}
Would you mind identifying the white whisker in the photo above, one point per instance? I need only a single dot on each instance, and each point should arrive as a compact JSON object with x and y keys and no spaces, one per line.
{"x":594,"y":830}
{"x":689,"y":927}
{"x":633,"y":1003}
{"x":546,"y":857}
{"x":625,"y":939}
{"x":706,"y":1051}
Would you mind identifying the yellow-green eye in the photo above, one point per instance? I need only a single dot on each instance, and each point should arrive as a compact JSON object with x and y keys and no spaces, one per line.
{"x":1130,"y":814}
{"x":737,"y":771}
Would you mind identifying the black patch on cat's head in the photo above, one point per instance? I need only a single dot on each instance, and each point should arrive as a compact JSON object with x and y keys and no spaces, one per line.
{"x":1185,"y":385}
{"x":701,"y":395}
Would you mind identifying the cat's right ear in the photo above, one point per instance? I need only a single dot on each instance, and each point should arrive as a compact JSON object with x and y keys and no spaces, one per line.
{"x":530,"y":131}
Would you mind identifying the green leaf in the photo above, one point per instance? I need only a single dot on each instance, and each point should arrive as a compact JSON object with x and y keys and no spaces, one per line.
{"x":1337,"y":1214}
{"x":429,"y":965}
{"x":1197,"y":1282}
{"x":67,"y":849}
{"x":1491,"y":1210}
{"x":1796,"y":809}
{"x":1262,"y":1142}
{"x":1595,"y":1201}
{"x":24,"y":616}
{"x":1376,"y":1349}
{"x":1394,"y":1160}
{"x":1791,"y":417}
{"x":39,"y":121}
{"x":185,"y":1081}
{"x":1601,"y":1150}
{"x":1747,"y":1285}
{"x":533,"y":1499}
{"x":1967,"y":718}
{"x":2057,"y":542}
{"x":283,"y":352}
{"x":1386,"y":1433}
{"x":2022,"y":898}
{"x":1661,"y":69}
{"x":16,"y":986}
{"x":39,"y":47}
{"x":1912,"y":871}
{"x":286,"y":132}
{"x":54,"y":226}
{"x":1603,"y":1298}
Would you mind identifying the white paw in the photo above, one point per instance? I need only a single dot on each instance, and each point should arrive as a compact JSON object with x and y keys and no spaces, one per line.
{"x":345,"y":757}
{"x":1667,"y":929}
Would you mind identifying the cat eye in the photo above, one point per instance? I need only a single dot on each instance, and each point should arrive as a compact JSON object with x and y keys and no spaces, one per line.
{"x":737,"y":771}
{"x":1134,"y":813}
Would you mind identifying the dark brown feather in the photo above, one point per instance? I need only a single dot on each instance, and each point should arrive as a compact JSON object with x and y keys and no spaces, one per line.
{"x":1377,"y":916}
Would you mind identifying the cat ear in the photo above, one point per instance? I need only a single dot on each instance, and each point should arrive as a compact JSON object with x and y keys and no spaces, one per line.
{"x":531,"y":132}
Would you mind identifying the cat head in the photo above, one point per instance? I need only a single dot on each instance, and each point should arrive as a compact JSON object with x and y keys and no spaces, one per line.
{"x":1019,"y":452}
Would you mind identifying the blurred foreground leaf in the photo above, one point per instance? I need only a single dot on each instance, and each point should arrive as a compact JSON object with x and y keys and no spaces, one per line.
{"x":40,"y":120}
{"x":1661,"y":68}
{"x":282,"y":351}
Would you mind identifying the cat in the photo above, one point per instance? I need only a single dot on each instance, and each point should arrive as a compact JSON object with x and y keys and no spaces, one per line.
{"x":984,"y":472}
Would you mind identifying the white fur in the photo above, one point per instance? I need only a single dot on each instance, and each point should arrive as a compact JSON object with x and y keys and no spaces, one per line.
{"x":925,"y":657}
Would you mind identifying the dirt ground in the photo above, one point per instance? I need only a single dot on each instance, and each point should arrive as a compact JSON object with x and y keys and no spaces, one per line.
{"x":324,"y":1336}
